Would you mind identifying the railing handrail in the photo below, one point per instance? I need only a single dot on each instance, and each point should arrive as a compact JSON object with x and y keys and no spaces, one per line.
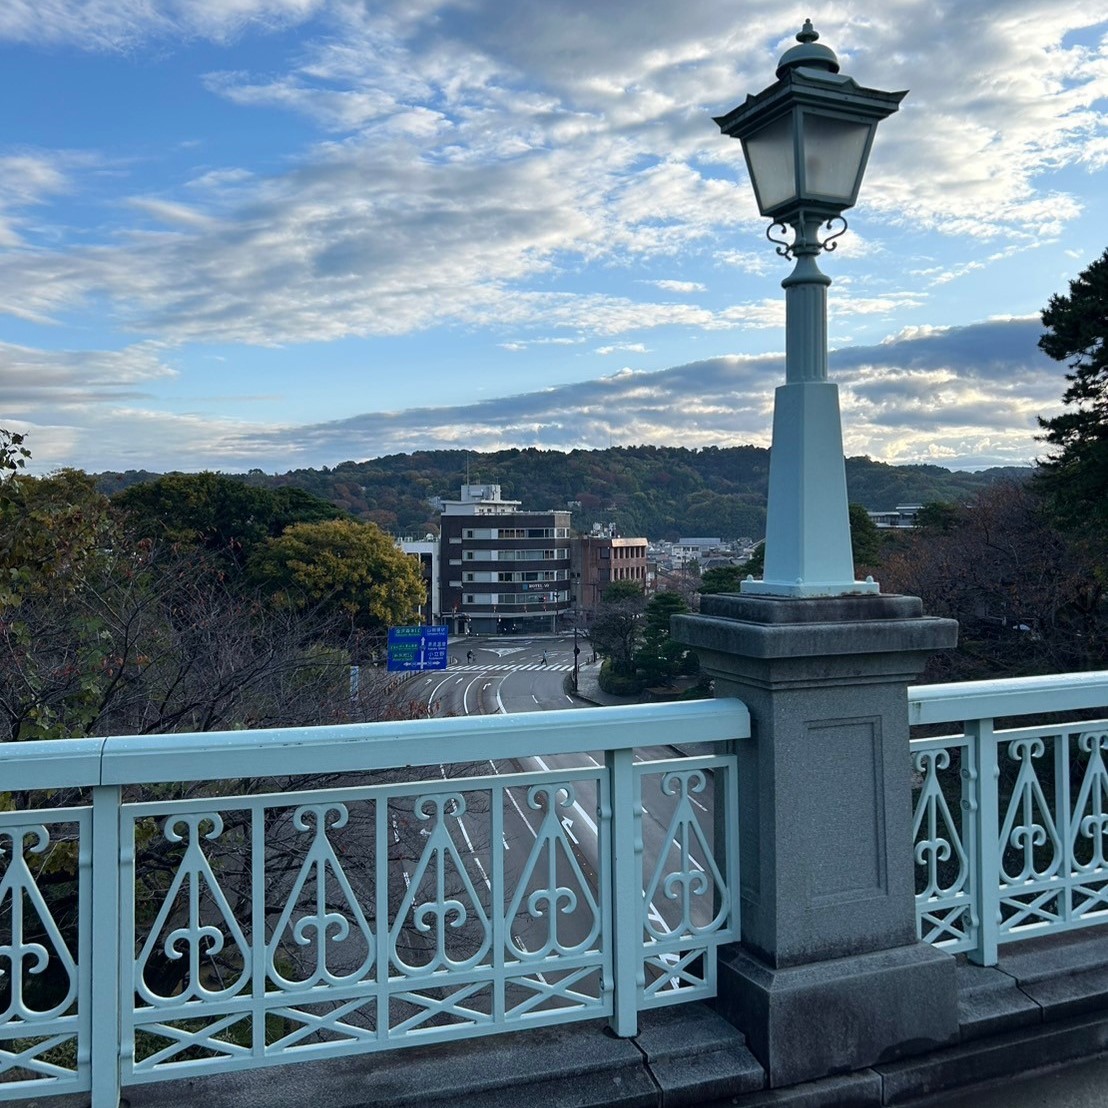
{"x":361,"y":747}
{"x":1011,"y":696}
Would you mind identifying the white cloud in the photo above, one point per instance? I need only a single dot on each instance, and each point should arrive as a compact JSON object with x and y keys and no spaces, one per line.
{"x":537,"y":171}
{"x":115,"y":24}
{"x":964,"y":397}
{"x":679,"y":286}
{"x":476,"y":161}
{"x":627,"y":347}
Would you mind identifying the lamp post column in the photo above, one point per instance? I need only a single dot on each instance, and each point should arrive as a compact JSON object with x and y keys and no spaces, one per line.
{"x":806,"y":308}
{"x":808,"y":549}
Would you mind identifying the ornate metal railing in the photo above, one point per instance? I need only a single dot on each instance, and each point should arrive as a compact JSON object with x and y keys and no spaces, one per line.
{"x":224,"y":901}
{"x":1011,"y":826}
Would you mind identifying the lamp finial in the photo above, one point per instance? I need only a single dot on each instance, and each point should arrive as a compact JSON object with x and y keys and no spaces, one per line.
{"x":809,"y":53}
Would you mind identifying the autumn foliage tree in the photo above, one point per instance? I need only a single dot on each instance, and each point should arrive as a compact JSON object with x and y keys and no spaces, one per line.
{"x":1028,"y":598}
{"x":104,"y":632}
{"x":217,"y":513}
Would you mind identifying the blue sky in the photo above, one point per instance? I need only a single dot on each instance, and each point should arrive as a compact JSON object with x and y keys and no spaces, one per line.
{"x":280,"y":233}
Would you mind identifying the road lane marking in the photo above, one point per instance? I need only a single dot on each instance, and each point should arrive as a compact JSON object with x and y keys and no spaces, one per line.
{"x":515,"y":804}
{"x":581,"y":811}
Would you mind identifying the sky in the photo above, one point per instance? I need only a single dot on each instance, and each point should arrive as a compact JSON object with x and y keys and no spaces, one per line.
{"x":273,"y":234}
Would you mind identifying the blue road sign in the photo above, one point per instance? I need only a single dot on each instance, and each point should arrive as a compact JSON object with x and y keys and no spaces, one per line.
{"x":418,"y":647}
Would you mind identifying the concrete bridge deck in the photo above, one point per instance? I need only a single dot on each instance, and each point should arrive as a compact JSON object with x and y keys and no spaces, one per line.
{"x":1033,"y":1028}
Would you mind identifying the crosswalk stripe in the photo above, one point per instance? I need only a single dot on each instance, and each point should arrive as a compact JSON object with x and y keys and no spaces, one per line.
{"x":558,"y":667}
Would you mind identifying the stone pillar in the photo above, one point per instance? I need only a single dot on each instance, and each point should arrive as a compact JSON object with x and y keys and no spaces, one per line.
{"x":829,"y":976}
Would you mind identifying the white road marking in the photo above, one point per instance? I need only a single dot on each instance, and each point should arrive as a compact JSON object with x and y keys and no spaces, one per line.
{"x":515,"y":804}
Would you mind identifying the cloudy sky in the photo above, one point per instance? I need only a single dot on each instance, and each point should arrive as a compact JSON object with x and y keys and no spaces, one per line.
{"x":279,"y":233}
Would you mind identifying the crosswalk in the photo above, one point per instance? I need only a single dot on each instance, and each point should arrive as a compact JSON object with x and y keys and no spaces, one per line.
{"x":501,"y":667}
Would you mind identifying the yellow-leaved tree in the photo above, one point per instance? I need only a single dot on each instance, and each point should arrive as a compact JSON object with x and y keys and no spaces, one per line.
{"x":340,"y":565}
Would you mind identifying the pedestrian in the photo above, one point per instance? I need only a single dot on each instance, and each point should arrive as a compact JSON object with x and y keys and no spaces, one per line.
{"x":544,"y":657}
{"x":469,"y":657}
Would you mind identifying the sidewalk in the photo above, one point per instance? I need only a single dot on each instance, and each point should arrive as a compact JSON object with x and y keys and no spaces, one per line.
{"x":588,"y":685}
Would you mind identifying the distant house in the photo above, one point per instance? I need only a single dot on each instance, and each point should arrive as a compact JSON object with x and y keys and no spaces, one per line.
{"x":687,"y":550}
{"x":903,"y":515}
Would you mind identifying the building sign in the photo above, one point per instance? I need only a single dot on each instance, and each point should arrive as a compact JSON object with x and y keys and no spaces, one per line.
{"x":417,"y":648}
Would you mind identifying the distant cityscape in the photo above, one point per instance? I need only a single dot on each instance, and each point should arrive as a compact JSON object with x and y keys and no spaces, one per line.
{"x":497,"y":567}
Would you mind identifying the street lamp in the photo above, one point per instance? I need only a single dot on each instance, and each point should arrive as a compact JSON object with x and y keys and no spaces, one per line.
{"x":806,"y":139}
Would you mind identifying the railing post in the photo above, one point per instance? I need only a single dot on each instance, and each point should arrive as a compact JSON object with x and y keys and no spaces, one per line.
{"x":985,"y":856}
{"x":106,"y":958}
{"x":627,"y":895}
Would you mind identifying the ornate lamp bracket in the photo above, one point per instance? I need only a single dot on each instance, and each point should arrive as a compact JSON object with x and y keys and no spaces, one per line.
{"x":836,"y":227}
{"x":781,"y":245}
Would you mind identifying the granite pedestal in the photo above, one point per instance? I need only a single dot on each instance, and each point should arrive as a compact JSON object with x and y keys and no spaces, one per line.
{"x":829,"y":977}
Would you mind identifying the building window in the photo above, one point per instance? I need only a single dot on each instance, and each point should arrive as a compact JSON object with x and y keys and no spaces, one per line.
{"x":469,"y":555}
{"x":470,"y":577}
{"x":469,"y":598}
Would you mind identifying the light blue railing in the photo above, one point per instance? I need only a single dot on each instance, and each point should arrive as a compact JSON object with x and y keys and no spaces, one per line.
{"x":1011,"y":826}
{"x":476,"y":875}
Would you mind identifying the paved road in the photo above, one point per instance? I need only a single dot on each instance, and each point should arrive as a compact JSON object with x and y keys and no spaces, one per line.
{"x":505,"y":675}
{"x":508,"y":675}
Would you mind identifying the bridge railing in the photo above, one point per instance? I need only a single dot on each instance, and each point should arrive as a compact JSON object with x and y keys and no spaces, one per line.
{"x":184,"y":904}
{"x":177,"y":905}
{"x":1011,"y":825}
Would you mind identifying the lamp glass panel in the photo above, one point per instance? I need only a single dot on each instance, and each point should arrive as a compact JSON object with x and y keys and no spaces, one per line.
{"x":834,"y":156}
{"x":771,"y":155}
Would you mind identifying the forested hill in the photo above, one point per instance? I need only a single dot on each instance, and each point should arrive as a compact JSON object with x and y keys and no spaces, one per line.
{"x":661,"y":492}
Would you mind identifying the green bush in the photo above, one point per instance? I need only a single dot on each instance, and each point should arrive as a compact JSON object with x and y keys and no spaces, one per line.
{"x":618,"y":684}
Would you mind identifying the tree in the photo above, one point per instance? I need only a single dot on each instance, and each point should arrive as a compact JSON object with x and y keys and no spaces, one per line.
{"x":722,"y":579}
{"x":865,"y":539}
{"x":938,"y":515}
{"x":1074,"y":477}
{"x":52,"y":529}
{"x":1027,"y":596}
{"x":660,"y":659}
{"x":13,"y":453}
{"x":622,"y":590}
{"x":615,"y":630}
{"x":340,"y":566}
{"x":101,"y":633}
{"x":221,"y":514}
